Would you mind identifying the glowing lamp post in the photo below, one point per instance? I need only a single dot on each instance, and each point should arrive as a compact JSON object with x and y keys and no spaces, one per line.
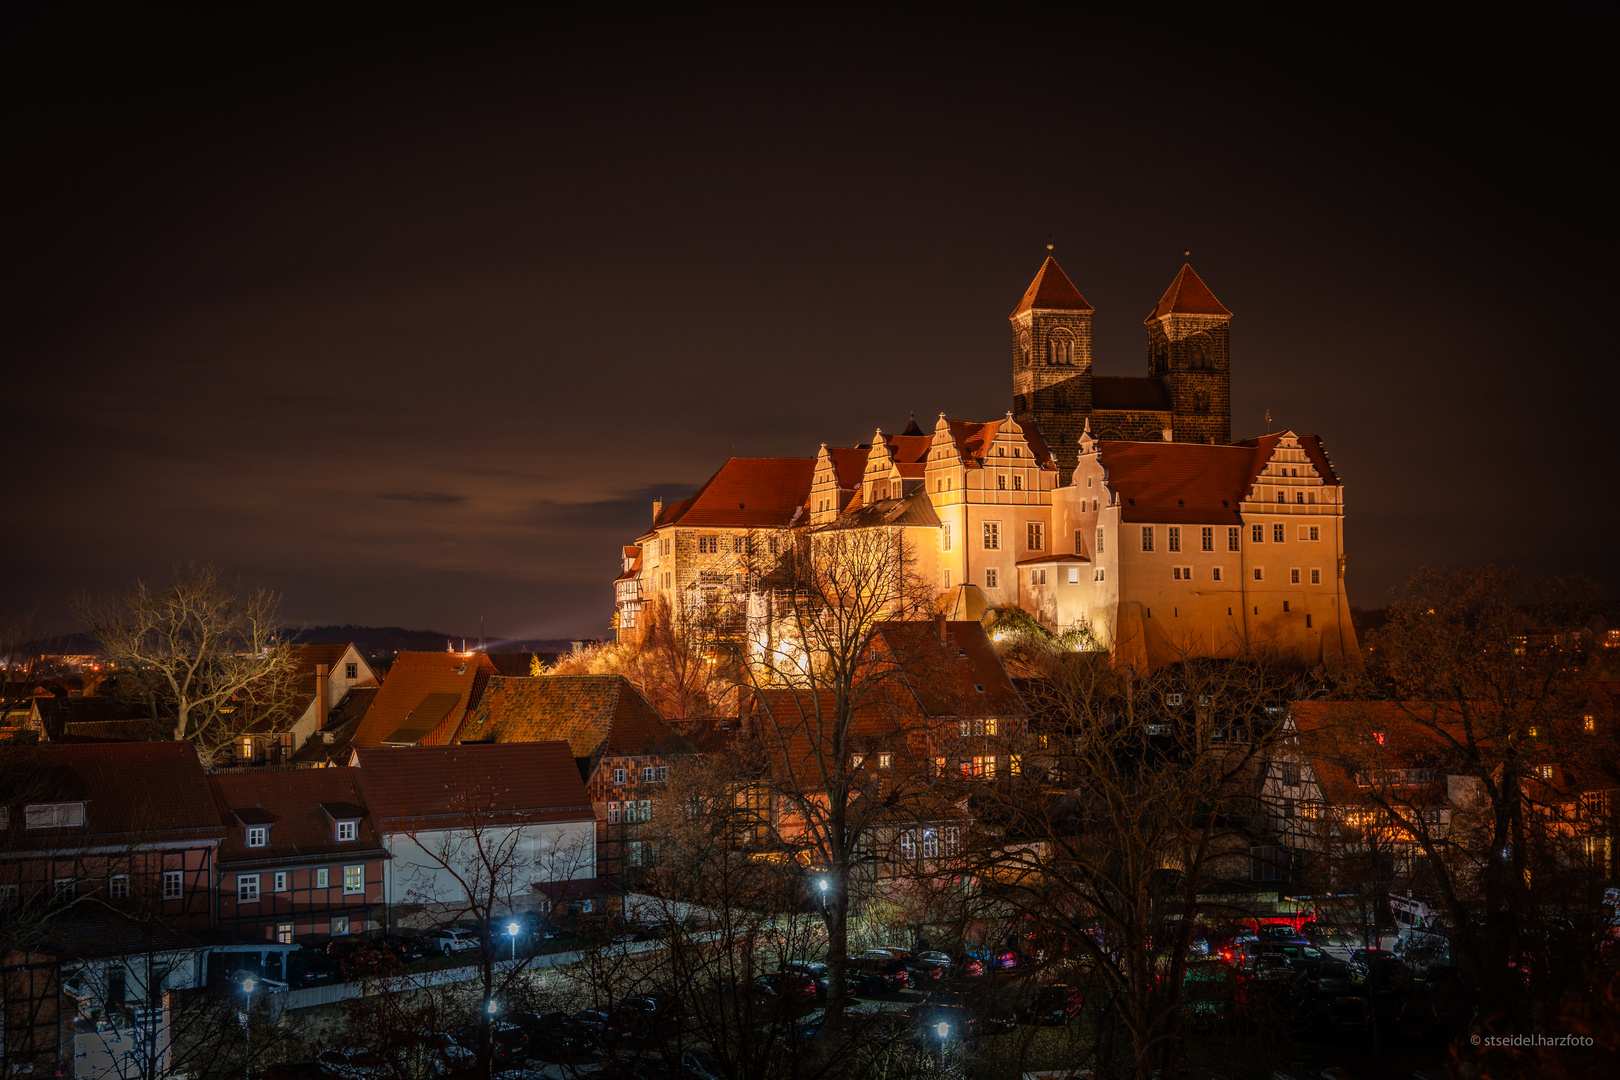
{"x":247,"y":1036}
{"x":512,"y":932}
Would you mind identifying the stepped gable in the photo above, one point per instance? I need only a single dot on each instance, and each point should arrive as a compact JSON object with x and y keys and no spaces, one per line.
{"x":1051,"y":291}
{"x":1188,"y":295}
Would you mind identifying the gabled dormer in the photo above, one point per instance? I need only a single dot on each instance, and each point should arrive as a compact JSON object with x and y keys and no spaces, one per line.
{"x":255,"y":823}
{"x":344,"y":819}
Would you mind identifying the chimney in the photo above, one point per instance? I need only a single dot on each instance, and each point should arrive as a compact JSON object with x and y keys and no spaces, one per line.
{"x":323,"y":696}
{"x":939,"y":628}
{"x":658,"y":508}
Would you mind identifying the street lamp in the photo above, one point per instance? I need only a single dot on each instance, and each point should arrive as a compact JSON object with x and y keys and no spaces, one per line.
{"x":512,"y":932}
{"x":247,"y":1036}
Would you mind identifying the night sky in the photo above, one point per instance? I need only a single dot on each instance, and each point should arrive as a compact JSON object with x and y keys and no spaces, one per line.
{"x":413,"y":321}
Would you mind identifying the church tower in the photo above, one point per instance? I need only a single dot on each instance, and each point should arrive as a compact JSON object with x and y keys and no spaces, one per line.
{"x":1051,"y":332}
{"x":1189,"y":336}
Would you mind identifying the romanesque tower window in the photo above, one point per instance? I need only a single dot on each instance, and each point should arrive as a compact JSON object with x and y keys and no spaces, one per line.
{"x":1060,"y":347}
{"x":1023,"y":347}
{"x":1199,"y":352}
{"x":1201,"y":401}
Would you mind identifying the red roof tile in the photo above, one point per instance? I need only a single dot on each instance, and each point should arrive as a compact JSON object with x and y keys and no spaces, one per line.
{"x":292,"y":800}
{"x":1188,"y":295}
{"x":748,"y":493}
{"x":593,"y":714}
{"x":906,"y":449}
{"x":138,"y":792}
{"x":1051,"y":291}
{"x":434,"y":786}
{"x":403,"y":705}
{"x":1191,"y":483}
{"x":849,"y":464}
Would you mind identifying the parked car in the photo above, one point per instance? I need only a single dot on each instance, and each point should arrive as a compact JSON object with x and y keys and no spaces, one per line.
{"x":408,"y":947}
{"x":653,"y":1014}
{"x":311,"y":967}
{"x":967,"y":967}
{"x":353,"y":1063}
{"x":508,"y":1042}
{"x":790,"y":987}
{"x":600,"y":1025}
{"x":1323,"y":977}
{"x":1377,"y":972}
{"x":1326,"y":935}
{"x":929,"y":966}
{"x":553,"y":1035}
{"x":446,"y":1055}
{"x":817,"y":971}
{"x":450,"y":940}
{"x":891,"y":974}
{"x":1055,"y":1004}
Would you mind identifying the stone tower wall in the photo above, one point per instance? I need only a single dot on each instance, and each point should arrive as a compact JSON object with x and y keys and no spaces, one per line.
{"x":1056,"y":397}
{"x":1191,"y":355}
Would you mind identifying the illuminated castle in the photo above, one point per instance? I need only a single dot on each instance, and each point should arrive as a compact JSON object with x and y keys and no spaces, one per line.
{"x":1115,"y":504}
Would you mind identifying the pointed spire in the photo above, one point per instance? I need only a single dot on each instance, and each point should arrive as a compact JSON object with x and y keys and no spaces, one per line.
{"x":1051,"y":291}
{"x":1188,"y":295}
{"x":912,"y":428}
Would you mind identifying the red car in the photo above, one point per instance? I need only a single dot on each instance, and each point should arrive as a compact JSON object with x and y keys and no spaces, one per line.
{"x":787,"y":986}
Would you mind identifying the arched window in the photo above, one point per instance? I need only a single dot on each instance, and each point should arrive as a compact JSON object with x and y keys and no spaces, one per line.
{"x":1201,"y":401}
{"x":1023,"y":347}
{"x":1200,"y":352}
{"x":1060,"y":347}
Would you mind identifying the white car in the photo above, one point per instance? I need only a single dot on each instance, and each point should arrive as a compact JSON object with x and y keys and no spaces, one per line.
{"x":451,"y":940}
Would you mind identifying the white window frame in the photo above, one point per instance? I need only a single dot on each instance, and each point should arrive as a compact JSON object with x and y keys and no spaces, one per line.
{"x":1215,"y":573}
{"x":1279,"y":533}
{"x":323,"y":878}
{"x":614,"y":813}
{"x":1035,"y":535}
{"x":118,"y":887}
{"x":1293,"y":575}
{"x":1172,"y":538}
{"x":1147,"y":538}
{"x":258,"y":836}
{"x":992,"y":536}
{"x":354,"y":888}
{"x":1099,"y":543}
{"x":247,"y":888}
{"x":1074,"y":575}
{"x":647,"y":774}
{"x":945,"y":537}
{"x":644,"y":810}
{"x":991,"y":578}
{"x":340,"y":926}
{"x":1316,"y":575}
{"x":174,"y":884}
{"x":1206,"y":538}
{"x":281,"y":881}
{"x":621,"y":776}
{"x":348,"y":830}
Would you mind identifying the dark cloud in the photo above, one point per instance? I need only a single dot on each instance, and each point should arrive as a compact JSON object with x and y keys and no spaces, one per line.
{"x":403,"y":322}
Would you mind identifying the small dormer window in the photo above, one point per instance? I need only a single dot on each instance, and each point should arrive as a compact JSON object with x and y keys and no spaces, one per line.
{"x":347,"y":830}
{"x":258,"y":835}
{"x":62,"y":815}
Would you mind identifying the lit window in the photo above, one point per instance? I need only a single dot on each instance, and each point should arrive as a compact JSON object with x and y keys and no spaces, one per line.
{"x":939,"y":765}
{"x":990,"y":726}
{"x":354,"y":880}
{"x":172,"y":886}
{"x":347,"y":830}
{"x":258,"y":836}
{"x":340,"y":925}
{"x":1015,"y":764}
{"x":856,"y":761}
{"x":908,"y":846}
{"x":1206,"y":538}
{"x":118,"y":887}
{"x":990,"y":578}
{"x":1147,"y":538}
{"x":284,"y":933}
{"x":1173,"y":538}
{"x":930,"y":844}
{"x":885,"y":761}
{"x":1588,"y":722}
{"x":247,"y":888}
{"x":613,"y":813}
{"x":992,"y":536}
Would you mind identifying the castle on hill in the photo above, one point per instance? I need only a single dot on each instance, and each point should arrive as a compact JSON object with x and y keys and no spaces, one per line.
{"x":1119,"y":504}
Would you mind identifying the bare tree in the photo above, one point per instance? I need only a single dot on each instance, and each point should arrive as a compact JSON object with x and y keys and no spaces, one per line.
{"x":1141,"y":792}
{"x":815,"y":656}
{"x":205,"y":652}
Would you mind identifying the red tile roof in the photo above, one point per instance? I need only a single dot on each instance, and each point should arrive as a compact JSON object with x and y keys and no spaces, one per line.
{"x":1128,"y":392}
{"x":1194,"y":483}
{"x":747,"y":493}
{"x":849,"y":464}
{"x":593,"y":714}
{"x":292,"y":801}
{"x":961,"y":676}
{"x":138,"y":792}
{"x":1187,"y":295}
{"x":1051,"y":291}
{"x":905,"y":449}
{"x":438,"y":787}
{"x":414,"y":689}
